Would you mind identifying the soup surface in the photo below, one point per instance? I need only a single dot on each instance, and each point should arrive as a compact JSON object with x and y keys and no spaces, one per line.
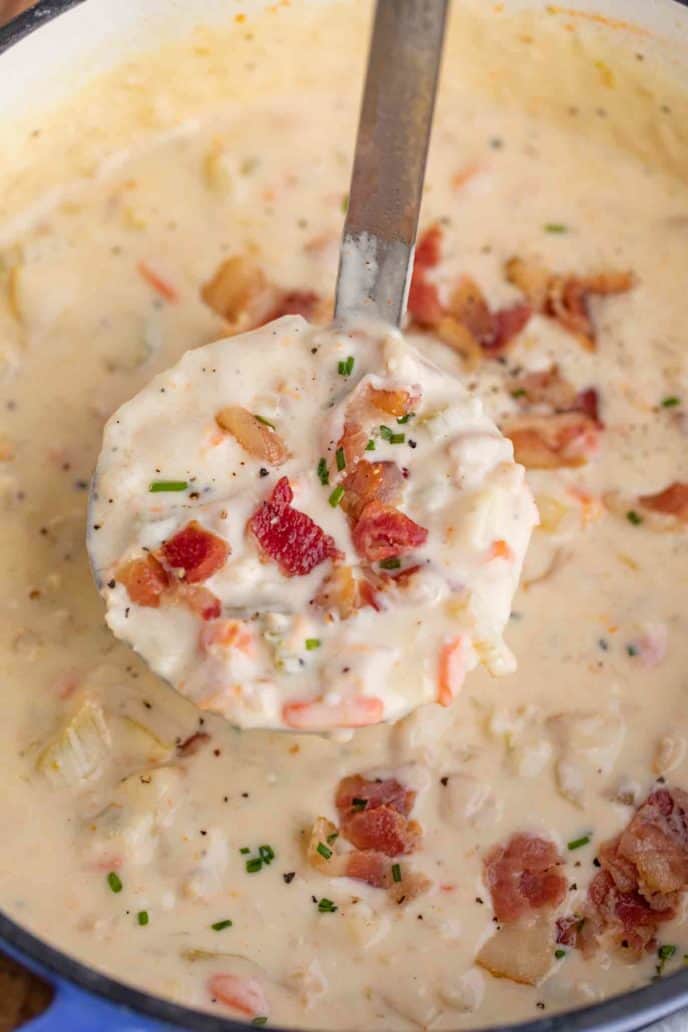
{"x":462,"y":866}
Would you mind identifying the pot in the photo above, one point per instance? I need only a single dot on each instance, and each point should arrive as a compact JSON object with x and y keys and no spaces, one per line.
{"x":47,"y":53}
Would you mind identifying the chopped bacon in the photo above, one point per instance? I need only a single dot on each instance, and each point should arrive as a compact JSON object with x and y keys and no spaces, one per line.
{"x":244,"y":995}
{"x":383,"y":829}
{"x":493,"y":331}
{"x":562,"y":439}
{"x":394,"y":401}
{"x":508,"y":323}
{"x":549,"y":388}
{"x":672,"y":501}
{"x":291,"y":538}
{"x":524,"y":875}
{"x":566,"y":298}
{"x":368,"y":482}
{"x":383,"y":532}
{"x":429,"y":248}
{"x":353,"y":442}
{"x":588,"y":402}
{"x":145,"y":580}
{"x":370,"y":867}
{"x":198,"y":599}
{"x":342,"y":593}
{"x":375,"y":792}
{"x":299,"y":302}
{"x":424,"y":303}
{"x":567,"y":929}
{"x":644,"y":872}
{"x":194,"y":553}
{"x":257,"y":438}
{"x":193,"y":744}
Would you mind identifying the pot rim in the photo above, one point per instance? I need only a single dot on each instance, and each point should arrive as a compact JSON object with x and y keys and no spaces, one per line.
{"x":626,"y":1012}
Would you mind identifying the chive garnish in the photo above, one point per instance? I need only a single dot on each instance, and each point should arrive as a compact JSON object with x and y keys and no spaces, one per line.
{"x":518,"y":393}
{"x":578,"y":842}
{"x":405,"y":419}
{"x":671,"y":401}
{"x":312,"y":643}
{"x":114,"y":881}
{"x":336,"y":496}
{"x":266,"y":853}
{"x":142,"y":918}
{"x":340,"y":459}
{"x":263,"y":420}
{"x":220,"y":926}
{"x":345,"y":366}
{"x":345,"y":203}
{"x":324,"y":850}
{"x":397,"y":438}
{"x":254,"y":865}
{"x":555,"y":227}
{"x":370,"y":446}
{"x":244,"y":850}
{"x":664,"y":953}
{"x":326,"y":906}
{"x":385,"y":433}
{"x":332,"y":837}
{"x":632,"y":650}
{"x":358,"y":804}
{"x":633,"y":517}
{"x":156,"y":486}
{"x":323,"y":475}
{"x":390,"y":564}
{"x":559,"y":954}
{"x":396,"y":872}
{"x":260,"y":1020}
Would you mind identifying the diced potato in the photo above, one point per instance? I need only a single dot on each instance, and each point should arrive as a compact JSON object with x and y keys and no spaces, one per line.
{"x":521,"y":952}
{"x":552,"y":512}
{"x":240,"y":293}
{"x":465,"y":801}
{"x":531,"y":278}
{"x":258,"y":439}
{"x":79,"y":751}
{"x":323,"y":839}
{"x":587,"y":745}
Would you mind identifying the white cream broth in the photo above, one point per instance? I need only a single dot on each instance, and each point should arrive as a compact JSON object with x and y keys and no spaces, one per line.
{"x":262,"y":642}
{"x":99,"y":793}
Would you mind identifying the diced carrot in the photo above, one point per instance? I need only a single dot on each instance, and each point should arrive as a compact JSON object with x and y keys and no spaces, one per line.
{"x":228,"y":634}
{"x":358,"y":711}
{"x":500,"y":549}
{"x":244,"y":995}
{"x":452,"y":670}
{"x":465,"y":174}
{"x":161,"y":286}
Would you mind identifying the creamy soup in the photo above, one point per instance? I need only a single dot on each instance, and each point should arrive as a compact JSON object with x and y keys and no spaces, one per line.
{"x":520,"y":851}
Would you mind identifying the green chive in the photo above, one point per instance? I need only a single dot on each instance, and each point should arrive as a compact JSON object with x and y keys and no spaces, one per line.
{"x":156,"y":486}
{"x":114,"y":881}
{"x":559,"y":954}
{"x":555,"y":227}
{"x":633,"y":517}
{"x":336,"y":496}
{"x":578,"y":842}
{"x":244,"y":850}
{"x":632,"y":650}
{"x":405,"y":419}
{"x":390,"y":564}
{"x":370,"y":446}
{"x":666,"y":952}
{"x":345,"y":366}
{"x":397,"y":438}
{"x":266,"y":853}
{"x":358,"y":804}
{"x":386,"y":433}
{"x":323,"y":474}
{"x":340,"y":459}
{"x":326,"y":906}
{"x":332,"y":837}
{"x":142,"y":918}
{"x":220,"y":926}
{"x":518,"y":393}
{"x":345,"y":203}
{"x":324,"y":850}
{"x":396,"y":872}
{"x":312,"y":643}
{"x":260,"y":1020}
{"x":263,"y":420}
{"x":253,"y":865}
{"x":670,"y":402}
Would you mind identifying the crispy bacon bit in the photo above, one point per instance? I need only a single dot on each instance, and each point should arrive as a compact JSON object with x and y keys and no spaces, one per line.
{"x":244,"y":995}
{"x":368,"y":482}
{"x":375,"y":792}
{"x":429,"y":248}
{"x":241,"y":294}
{"x":370,"y":867}
{"x":193,"y":744}
{"x":145,"y":580}
{"x":424,"y":303}
{"x":524,"y":876}
{"x":195,"y":554}
{"x":301,"y":302}
{"x":566,"y":298}
{"x":383,"y":532}
{"x":395,"y":402}
{"x":562,"y":439}
{"x":588,"y":402}
{"x":550,"y":389}
{"x":460,"y":339}
{"x":198,"y":599}
{"x":291,"y":538}
{"x":342,"y":593}
{"x":493,"y":331}
{"x":672,"y":501}
{"x":567,"y":930}
{"x":508,"y":323}
{"x":258,"y":439}
{"x":353,"y":442}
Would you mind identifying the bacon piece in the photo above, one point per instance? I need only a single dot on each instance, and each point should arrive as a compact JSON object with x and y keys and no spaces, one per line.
{"x":567,"y":929}
{"x":145,"y":581}
{"x":353,"y":442}
{"x":342,"y":593}
{"x":244,"y":995}
{"x":549,"y":388}
{"x":291,"y":538}
{"x":193,"y":744}
{"x":429,"y":247}
{"x":424,"y":303}
{"x":301,"y":302}
{"x":194,"y":553}
{"x":368,"y":482}
{"x":524,"y":876}
{"x":508,"y":323}
{"x":375,"y":792}
{"x":198,"y":599}
{"x":316,"y":715}
{"x":383,"y":829}
{"x":240,"y":293}
{"x":258,"y":439}
{"x":383,"y":532}
{"x":562,"y":439}
{"x":493,"y":331}
{"x":672,"y":501}
{"x":370,"y":867}
{"x":394,"y":401}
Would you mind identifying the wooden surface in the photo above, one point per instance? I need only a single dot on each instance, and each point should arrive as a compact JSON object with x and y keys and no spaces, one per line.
{"x":22,"y":996}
